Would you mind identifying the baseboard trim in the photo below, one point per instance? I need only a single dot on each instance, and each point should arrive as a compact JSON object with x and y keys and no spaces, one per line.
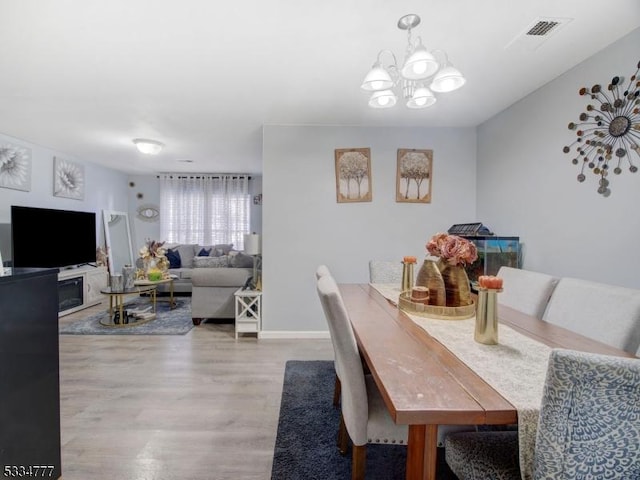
{"x":292,"y":334}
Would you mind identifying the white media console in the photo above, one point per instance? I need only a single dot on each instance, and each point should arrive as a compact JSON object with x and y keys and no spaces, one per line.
{"x":79,"y":288}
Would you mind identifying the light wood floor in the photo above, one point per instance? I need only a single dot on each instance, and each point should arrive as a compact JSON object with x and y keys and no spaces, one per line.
{"x":202,"y":406}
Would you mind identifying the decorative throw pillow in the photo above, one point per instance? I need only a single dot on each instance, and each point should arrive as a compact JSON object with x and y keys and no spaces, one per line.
{"x":241,"y":260}
{"x":204,"y":252}
{"x":174,"y":259}
{"x":211,"y":262}
{"x":221,"y":249}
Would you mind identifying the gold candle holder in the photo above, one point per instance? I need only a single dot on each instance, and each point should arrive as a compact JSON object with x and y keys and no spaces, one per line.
{"x":407,"y":273}
{"x":487,"y":316}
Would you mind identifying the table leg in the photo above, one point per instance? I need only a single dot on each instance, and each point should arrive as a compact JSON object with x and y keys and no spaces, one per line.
{"x":153,"y":298}
{"x":171,"y":304}
{"x":120,"y":302}
{"x":422,"y":452}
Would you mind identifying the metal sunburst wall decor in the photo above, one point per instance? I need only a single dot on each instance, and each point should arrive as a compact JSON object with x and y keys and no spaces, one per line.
{"x":609,"y":131}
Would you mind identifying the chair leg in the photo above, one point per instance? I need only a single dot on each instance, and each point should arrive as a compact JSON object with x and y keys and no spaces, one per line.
{"x":358,"y":461}
{"x":336,"y":392}
{"x":343,"y":437}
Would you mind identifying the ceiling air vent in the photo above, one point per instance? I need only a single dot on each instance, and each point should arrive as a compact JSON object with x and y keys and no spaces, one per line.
{"x":542,"y":28}
{"x":537,"y":32}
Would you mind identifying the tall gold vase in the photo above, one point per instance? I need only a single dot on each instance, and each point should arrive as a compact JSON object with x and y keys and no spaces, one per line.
{"x":487,"y":317}
{"x":456,"y":284}
{"x":429,"y":276}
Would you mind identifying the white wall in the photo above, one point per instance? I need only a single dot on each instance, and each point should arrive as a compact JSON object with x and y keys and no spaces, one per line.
{"x":527,"y":186}
{"x":304,"y":226}
{"x":104,"y":188}
{"x":147,"y":187}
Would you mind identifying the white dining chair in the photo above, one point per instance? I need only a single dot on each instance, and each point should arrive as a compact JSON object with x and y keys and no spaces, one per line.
{"x":607,"y":313}
{"x":588,"y":424}
{"x":525,"y":290}
{"x":322,"y":271}
{"x":364,"y":417}
{"x":381,"y":271}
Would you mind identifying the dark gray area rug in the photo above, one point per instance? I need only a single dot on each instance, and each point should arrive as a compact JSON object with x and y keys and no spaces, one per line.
{"x":306,"y":446}
{"x":167,"y":322}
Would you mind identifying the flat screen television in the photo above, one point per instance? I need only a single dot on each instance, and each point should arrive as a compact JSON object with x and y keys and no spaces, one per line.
{"x":44,"y":237}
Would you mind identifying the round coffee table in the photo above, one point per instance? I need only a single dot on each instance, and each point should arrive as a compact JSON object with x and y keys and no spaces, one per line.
{"x":148,"y":283}
{"x":116,"y":317}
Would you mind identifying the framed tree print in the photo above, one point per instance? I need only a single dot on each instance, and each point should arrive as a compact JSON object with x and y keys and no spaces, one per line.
{"x":413,"y":175}
{"x":353,"y":175}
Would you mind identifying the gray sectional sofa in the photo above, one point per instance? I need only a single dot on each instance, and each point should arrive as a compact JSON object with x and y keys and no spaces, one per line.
{"x":211,"y":273}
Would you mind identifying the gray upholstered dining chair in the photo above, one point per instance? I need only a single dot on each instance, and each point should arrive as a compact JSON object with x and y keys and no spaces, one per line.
{"x":607,"y":313}
{"x":588,"y":424}
{"x":364,"y":418}
{"x":322,"y":271}
{"x":381,"y":271}
{"x":525,"y":290}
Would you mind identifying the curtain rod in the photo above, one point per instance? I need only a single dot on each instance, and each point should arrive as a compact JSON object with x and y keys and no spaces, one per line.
{"x":204,"y":175}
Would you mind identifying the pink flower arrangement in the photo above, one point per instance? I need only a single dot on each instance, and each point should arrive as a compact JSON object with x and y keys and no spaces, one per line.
{"x":452,"y":249}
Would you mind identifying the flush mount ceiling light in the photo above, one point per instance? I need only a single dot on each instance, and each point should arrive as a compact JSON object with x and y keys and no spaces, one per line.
{"x":422,"y":73}
{"x":149,"y":147}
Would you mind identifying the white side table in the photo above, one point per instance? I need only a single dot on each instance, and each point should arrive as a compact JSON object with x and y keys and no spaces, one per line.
{"x":248,"y":311}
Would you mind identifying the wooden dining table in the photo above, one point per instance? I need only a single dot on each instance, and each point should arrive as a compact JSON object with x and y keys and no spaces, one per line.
{"x":424,"y":384}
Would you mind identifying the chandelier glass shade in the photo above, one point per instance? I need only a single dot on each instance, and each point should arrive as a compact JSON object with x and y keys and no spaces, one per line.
{"x":447,"y":79}
{"x":377,"y":79}
{"x":422,"y":97}
{"x":421,"y":74}
{"x":420,"y":64}
{"x":383,"y":99}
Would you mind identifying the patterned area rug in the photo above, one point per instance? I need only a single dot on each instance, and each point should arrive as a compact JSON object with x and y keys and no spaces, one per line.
{"x":306,"y":445}
{"x":167,"y":322}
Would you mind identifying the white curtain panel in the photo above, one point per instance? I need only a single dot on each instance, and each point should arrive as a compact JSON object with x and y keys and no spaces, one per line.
{"x":204,"y":209}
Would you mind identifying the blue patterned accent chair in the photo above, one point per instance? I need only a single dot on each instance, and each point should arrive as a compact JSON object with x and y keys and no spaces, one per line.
{"x":589,"y":426}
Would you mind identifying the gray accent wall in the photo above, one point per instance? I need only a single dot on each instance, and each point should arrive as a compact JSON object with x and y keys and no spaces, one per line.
{"x":527,"y":185}
{"x":304,"y":226}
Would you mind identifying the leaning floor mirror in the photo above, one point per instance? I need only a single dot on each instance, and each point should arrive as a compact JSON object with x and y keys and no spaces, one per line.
{"x":117,"y":236}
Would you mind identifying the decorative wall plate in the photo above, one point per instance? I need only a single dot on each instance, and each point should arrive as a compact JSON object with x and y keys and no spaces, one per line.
{"x":148,"y":213}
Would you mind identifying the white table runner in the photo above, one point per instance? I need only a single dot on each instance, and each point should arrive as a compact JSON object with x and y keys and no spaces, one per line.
{"x":516,"y":367}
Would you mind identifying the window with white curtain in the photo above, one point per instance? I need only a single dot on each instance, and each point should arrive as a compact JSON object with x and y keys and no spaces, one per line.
{"x":204,"y":209}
